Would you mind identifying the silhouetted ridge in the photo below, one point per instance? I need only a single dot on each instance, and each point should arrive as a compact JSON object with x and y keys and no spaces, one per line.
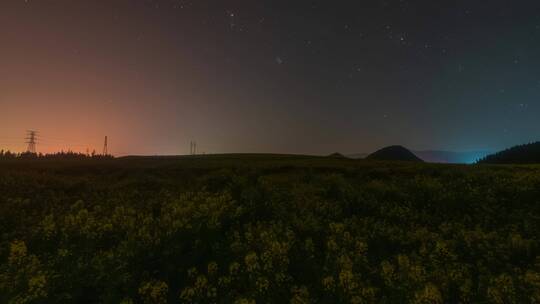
{"x":394,"y":153}
{"x":336,"y":155}
{"x":522,"y":154}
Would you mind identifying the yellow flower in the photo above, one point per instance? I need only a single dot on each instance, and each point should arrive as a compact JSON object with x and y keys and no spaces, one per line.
{"x":234,"y":268}
{"x":154,"y":292}
{"x":429,"y":295}
{"x":262,"y":284}
{"x":300,"y":295}
{"x":251,"y":261}
{"x":212,"y":268}
{"x":17,"y":251}
{"x":188,"y":294}
{"x":387,"y":271}
{"x":328,"y":283}
{"x":36,"y":286}
{"x":244,"y":301}
{"x":201,"y":282}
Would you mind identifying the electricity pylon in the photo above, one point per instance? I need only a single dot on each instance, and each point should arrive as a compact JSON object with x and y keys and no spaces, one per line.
{"x":31,"y":140}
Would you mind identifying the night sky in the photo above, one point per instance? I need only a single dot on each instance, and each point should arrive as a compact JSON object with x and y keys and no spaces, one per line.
{"x":311,"y":77}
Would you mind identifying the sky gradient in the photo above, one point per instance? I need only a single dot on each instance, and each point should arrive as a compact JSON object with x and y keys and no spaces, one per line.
{"x":309,"y":77}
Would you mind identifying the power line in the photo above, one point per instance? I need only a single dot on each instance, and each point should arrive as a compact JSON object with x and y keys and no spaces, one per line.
{"x":70,"y":140}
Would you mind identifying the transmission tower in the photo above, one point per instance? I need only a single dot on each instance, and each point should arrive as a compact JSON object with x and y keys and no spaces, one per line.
{"x":105,"y":147}
{"x":31,"y":139}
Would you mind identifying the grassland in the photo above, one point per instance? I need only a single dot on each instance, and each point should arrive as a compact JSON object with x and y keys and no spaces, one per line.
{"x":267,"y":229}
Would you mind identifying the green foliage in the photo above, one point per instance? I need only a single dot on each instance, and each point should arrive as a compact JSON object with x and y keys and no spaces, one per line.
{"x":256,"y":230}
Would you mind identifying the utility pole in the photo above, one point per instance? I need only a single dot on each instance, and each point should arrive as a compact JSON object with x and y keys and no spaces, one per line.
{"x":31,"y":138}
{"x":105,"y":147}
{"x":192,"y":147}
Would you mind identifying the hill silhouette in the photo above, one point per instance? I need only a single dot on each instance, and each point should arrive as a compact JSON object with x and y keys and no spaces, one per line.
{"x":441,"y":156}
{"x":337,"y":155}
{"x":521,"y":154}
{"x":394,"y":153}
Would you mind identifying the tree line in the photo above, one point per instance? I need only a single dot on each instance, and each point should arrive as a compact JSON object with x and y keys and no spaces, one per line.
{"x":7,"y":155}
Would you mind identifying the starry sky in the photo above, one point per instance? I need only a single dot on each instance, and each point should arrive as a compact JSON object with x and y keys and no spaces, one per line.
{"x":311,"y":77}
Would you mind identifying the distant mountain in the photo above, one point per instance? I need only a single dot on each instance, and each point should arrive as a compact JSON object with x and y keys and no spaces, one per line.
{"x":439,"y":156}
{"x":337,"y":155}
{"x":394,"y":153}
{"x":522,"y":154}
{"x":451,"y":157}
{"x":358,"y":155}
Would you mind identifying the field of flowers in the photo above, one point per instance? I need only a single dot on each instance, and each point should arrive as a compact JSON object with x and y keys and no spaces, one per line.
{"x":267,"y":229}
